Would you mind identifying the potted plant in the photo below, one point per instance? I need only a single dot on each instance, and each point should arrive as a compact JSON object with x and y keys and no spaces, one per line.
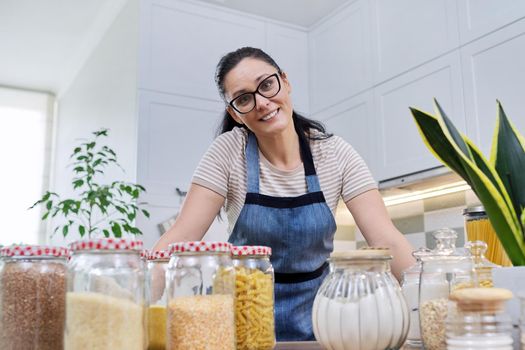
{"x":98,"y":209}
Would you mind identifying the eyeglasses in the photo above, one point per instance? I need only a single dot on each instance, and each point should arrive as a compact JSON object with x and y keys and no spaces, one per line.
{"x":268,"y":88}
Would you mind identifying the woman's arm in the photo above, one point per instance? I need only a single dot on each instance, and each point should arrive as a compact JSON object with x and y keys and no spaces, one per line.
{"x":371,"y":216}
{"x":198,"y":211}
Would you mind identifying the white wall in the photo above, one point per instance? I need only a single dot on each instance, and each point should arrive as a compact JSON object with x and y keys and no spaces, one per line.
{"x":103,"y":95}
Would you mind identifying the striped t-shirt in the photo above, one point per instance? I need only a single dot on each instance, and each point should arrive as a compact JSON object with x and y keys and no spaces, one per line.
{"x":341,"y":171}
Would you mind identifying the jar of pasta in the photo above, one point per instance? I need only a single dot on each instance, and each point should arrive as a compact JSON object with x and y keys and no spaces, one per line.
{"x":157,"y":298}
{"x":201,"y":292}
{"x":32,"y":297}
{"x":254,"y":298}
{"x":105,"y":296}
{"x":479,"y":228}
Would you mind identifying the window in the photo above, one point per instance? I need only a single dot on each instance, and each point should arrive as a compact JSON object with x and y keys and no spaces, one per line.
{"x":25,"y":140}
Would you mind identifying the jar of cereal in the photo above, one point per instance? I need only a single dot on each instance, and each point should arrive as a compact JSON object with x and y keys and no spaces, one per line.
{"x":105,"y":297}
{"x":254,"y":298}
{"x":201,"y":291}
{"x":157,"y":298}
{"x":32,"y":297}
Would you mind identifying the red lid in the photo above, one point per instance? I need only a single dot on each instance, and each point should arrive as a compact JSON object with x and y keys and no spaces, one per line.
{"x":144,"y":254}
{"x":245,"y":250}
{"x":106,"y":244}
{"x":34,"y":250}
{"x":199,"y":246}
{"x":158,"y":254}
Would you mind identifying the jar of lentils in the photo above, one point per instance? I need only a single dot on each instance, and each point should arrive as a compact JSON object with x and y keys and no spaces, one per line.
{"x":157,"y":298}
{"x":32,"y":297}
{"x":201,"y":291}
{"x":105,"y":296}
{"x":254,"y":297}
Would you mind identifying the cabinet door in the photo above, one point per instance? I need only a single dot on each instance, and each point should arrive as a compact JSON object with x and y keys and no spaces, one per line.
{"x":353,"y":121}
{"x":400,"y":149}
{"x":480,"y":17}
{"x":289,"y":48}
{"x":182,"y":42}
{"x":409,"y":33}
{"x":340,"y":56}
{"x":494,"y":68}
{"x":174,"y":133}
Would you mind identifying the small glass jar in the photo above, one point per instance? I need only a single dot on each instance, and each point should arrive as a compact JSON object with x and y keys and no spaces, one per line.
{"x":479,"y":228}
{"x":201,"y":292}
{"x":443,"y":271}
{"x":106,"y":296}
{"x":32,"y":297}
{"x":482,"y":266}
{"x":410,"y":288}
{"x":254,"y":297}
{"x":478,"y":321}
{"x":360,"y":304}
{"x":157,"y":298}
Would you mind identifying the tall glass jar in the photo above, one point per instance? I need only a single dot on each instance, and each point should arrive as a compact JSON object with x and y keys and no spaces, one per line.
{"x":478,"y":320}
{"x":254,"y":297}
{"x":410,"y":288}
{"x":105,"y":297}
{"x":32,"y":297}
{"x":157,"y":298}
{"x":442,"y":271}
{"x":201,"y":292}
{"x":479,"y":228}
{"x":360,"y":304}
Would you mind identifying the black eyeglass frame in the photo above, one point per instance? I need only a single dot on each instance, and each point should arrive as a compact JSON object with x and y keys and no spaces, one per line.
{"x":257,"y":92}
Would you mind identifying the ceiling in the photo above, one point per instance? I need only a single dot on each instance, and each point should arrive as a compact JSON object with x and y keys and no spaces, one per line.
{"x":45,"y":43}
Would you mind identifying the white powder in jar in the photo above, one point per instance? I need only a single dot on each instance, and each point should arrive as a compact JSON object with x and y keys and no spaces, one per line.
{"x":411,"y":293}
{"x":97,"y":321}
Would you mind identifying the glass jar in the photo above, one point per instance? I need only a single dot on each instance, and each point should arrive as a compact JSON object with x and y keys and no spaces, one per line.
{"x":360,"y":304}
{"x":410,"y":288}
{"x":105,"y":296}
{"x":32,"y":297}
{"x":254,"y":297}
{"x":522,"y":321}
{"x":201,"y":291}
{"x":443,"y":271}
{"x":479,"y":228}
{"x":478,"y":321}
{"x":157,"y":298}
{"x":482,"y":266}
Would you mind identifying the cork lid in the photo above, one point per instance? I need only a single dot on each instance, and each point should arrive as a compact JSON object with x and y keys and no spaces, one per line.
{"x":368,"y":253}
{"x":480,"y":299}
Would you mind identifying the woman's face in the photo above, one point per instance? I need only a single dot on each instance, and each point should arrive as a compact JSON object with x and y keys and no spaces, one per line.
{"x":271,"y":115}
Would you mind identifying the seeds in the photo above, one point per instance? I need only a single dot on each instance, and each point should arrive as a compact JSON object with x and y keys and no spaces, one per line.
{"x":201,"y":322}
{"x":432,"y":315}
{"x":32,"y":304}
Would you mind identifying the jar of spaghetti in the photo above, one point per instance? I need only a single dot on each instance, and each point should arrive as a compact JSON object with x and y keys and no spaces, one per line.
{"x":254,"y":299}
{"x":479,"y":228}
{"x":201,"y":292}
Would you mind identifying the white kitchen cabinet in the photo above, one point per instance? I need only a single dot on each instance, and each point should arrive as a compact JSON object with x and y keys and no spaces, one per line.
{"x":400,"y":149}
{"x":289,"y":48}
{"x":353,"y":120}
{"x":480,"y":17}
{"x":408,"y":33}
{"x":338,"y":50}
{"x":494,"y":68}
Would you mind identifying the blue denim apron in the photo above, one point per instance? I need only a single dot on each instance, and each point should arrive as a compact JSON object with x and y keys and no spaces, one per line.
{"x":300,"y":230}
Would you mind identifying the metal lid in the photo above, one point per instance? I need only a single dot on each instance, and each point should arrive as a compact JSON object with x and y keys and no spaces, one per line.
{"x":477,"y":210}
{"x":34,"y":250}
{"x":247,"y":250}
{"x":199,"y":247}
{"x":120,"y":244}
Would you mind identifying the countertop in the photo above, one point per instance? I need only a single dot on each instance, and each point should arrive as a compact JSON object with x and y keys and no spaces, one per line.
{"x":313,"y":345}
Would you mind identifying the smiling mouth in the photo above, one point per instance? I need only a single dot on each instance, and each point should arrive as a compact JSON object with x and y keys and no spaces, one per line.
{"x":270,"y":116}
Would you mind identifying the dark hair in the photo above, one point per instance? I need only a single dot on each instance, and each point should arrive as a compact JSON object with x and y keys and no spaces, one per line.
{"x":230,"y":61}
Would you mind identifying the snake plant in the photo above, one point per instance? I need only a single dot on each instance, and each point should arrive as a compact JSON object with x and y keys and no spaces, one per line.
{"x":498,"y":182}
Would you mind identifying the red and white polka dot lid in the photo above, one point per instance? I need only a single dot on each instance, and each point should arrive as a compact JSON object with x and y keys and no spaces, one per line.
{"x":200,"y":247}
{"x":158,"y":255}
{"x":106,"y":244}
{"x":247,"y":250}
{"x":34,"y":250}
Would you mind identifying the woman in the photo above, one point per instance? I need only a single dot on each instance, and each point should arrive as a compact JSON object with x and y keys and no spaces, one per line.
{"x":279,"y":177}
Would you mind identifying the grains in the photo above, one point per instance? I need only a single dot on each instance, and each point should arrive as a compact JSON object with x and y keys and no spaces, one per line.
{"x":432,"y":317}
{"x":97,"y":321}
{"x":32,"y":304}
{"x":156,"y":327}
{"x":254,"y":309}
{"x":201,"y":322}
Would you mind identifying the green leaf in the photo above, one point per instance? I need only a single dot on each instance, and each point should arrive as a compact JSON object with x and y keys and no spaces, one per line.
{"x":81,"y":230}
{"x":65,"y":230}
{"x":117,"y":231}
{"x":78,"y":169}
{"x":49,"y":205}
{"x":145,"y":212}
{"x":45,"y":216}
{"x":106,"y":233}
{"x":91,"y":145}
{"x":78,"y":183}
{"x":451,"y":129}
